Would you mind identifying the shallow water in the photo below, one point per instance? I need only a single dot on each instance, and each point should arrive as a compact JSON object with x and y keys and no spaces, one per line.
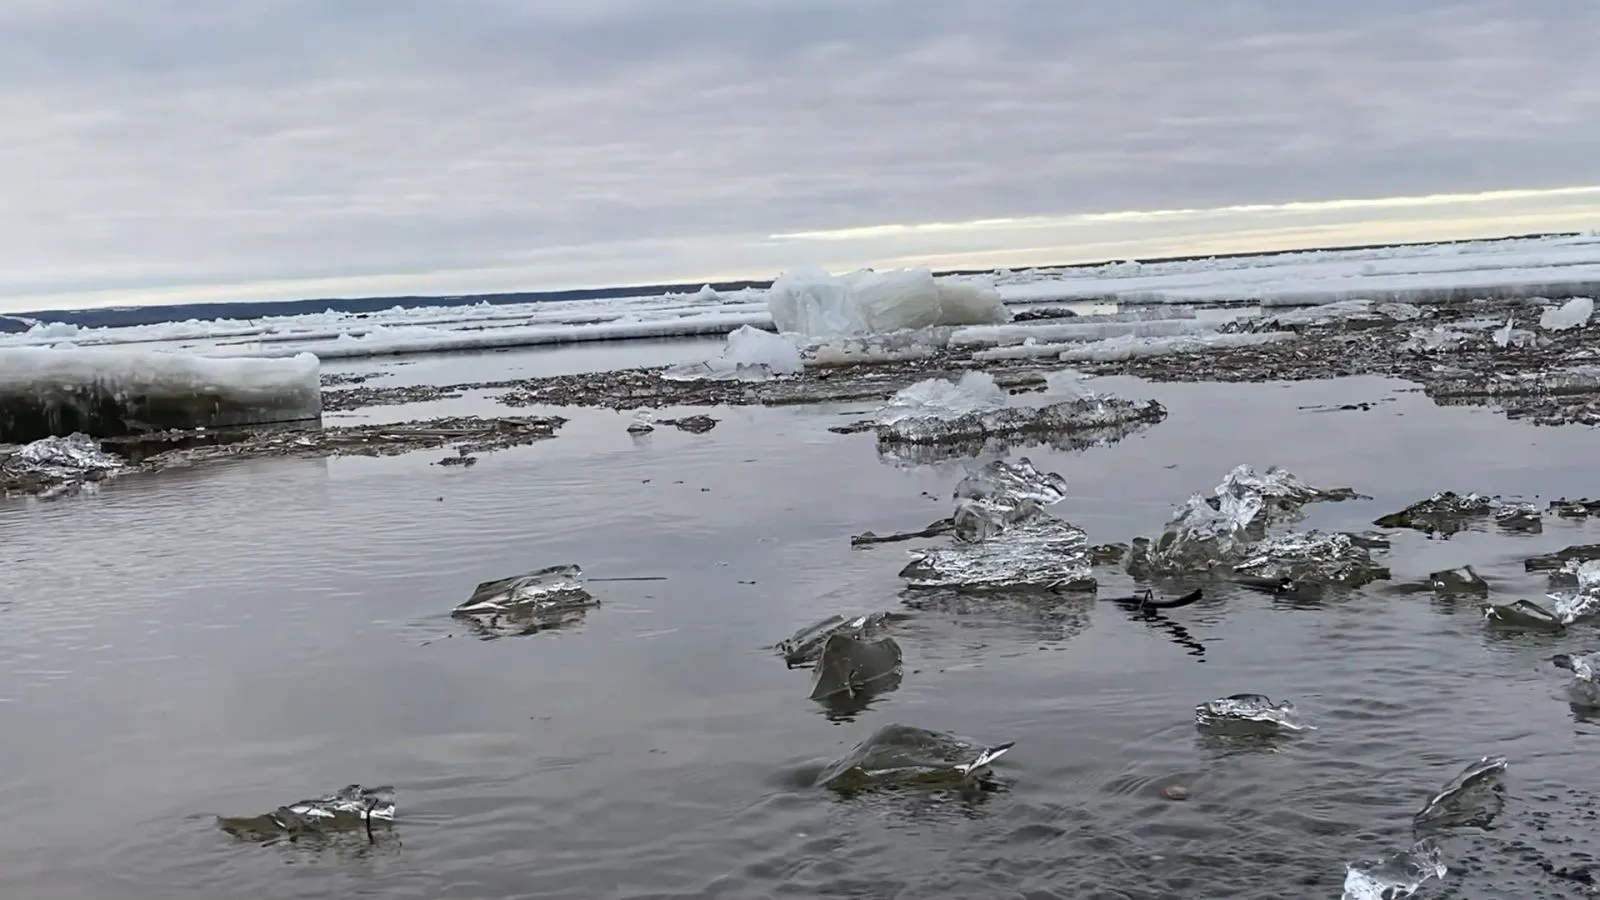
{"x":227,"y":639}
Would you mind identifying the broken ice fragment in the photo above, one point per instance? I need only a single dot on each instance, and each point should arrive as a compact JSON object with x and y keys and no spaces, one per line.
{"x":751,"y":354}
{"x":1254,"y":712}
{"x":524,"y":604}
{"x":1445,"y":513}
{"x":1078,"y":414}
{"x":1471,"y":799}
{"x":1582,"y":665}
{"x":806,"y":645}
{"x":1394,"y":875}
{"x":900,"y":755}
{"x":1559,"y":559}
{"x":349,"y":808}
{"x":850,"y":668}
{"x":58,"y":463}
{"x":1199,"y":536}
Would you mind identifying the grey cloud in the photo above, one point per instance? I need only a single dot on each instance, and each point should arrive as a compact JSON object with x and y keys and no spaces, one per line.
{"x":181,"y":141}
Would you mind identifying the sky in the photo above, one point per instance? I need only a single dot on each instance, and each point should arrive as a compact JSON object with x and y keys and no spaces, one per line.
{"x":177,"y":150}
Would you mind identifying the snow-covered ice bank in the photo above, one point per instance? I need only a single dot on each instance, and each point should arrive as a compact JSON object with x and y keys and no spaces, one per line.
{"x":1439,"y":273}
{"x":863,"y":305}
{"x":107,"y":392}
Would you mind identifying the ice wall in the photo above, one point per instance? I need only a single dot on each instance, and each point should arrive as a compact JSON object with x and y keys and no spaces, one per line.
{"x":105,"y":393}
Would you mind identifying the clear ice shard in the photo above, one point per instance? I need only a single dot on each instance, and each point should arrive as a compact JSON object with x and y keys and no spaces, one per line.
{"x":1395,"y":875}
{"x":523,"y":604}
{"x":850,"y":668}
{"x":351,"y":807}
{"x":901,"y":755}
{"x":1471,"y":799}
{"x":1279,"y":485}
{"x":1445,"y":513}
{"x":1251,"y":711}
{"x":1003,"y":537}
{"x":1566,"y":607}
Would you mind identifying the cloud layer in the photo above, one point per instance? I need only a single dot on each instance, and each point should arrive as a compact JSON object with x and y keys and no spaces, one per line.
{"x":185,"y":145}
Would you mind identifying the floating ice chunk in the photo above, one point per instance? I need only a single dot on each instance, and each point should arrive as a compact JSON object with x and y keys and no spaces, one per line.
{"x":1460,"y":581}
{"x":1042,"y":552}
{"x":996,"y":421}
{"x":1552,"y":382}
{"x":1306,"y":556}
{"x":1583,"y":666}
{"x":1472,"y":798}
{"x":63,"y":458}
{"x":1004,"y":538}
{"x":524,"y":604}
{"x":900,"y":755}
{"x":1522,"y":614}
{"x":938,"y":399}
{"x":815,"y":303}
{"x":352,"y":807}
{"x":113,"y":392}
{"x":1278,"y":485}
{"x":1445,"y":512}
{"x":1438,"y":339}
{"x":1394,"y":875}
{"x":750,"y":355}
{"x":1347,"y":313}
{"x":1253,"y":711}
{"x":1518,"y":515}
{"x":1575,"y":313}
{"x":806,"y":645}
{"x":1126,"y":348}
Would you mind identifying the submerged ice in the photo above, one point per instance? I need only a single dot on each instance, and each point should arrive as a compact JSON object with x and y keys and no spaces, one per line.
{"x":1395,"y":875}
{"x":348,"y":808}
{"x":901,"y":755}
{"x":1003,"y":536}
{"x":1254,"y":712}
{"x":1473,"y":798}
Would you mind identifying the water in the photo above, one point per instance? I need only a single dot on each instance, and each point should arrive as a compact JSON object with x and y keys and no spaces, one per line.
{"x":223,"y":640}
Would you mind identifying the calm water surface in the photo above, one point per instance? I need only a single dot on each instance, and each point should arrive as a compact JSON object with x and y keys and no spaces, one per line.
{"x":227,"y":639}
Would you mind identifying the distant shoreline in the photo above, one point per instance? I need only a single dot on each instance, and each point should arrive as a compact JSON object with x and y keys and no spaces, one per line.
{"x":131,"y":316}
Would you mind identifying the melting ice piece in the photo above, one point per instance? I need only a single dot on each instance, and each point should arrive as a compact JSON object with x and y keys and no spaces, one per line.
{"x":1575,"y":313}
{"x":1042,"y":552}
{"x":1312,"y":556}
{"x":806,"y":644}
{"x":1394,"y":875}
{"x":900,"y":755}
{"x":1252,"y":711}
{"x":1445,"y":512}
{"x":643,"y":422}
{"x":936,"y":398}
{"x":1002,"y":494}
{"x":523,"y":604}
{"x":1350,"y":314}
{"x":851,"y":668}
{"x":894,"y":346}
{"x":352,"y":807}
{"x":1438,"y":339}
{"x":750,"y":355}
{"x":1471,"y":799}
{"x":1523,"y":614}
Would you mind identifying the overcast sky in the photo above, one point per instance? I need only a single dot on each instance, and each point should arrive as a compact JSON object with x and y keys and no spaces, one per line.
{"x":190,"y":149}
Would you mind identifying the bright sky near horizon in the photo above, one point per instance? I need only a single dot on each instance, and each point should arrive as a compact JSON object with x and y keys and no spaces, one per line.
{"x":176,"y":150}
